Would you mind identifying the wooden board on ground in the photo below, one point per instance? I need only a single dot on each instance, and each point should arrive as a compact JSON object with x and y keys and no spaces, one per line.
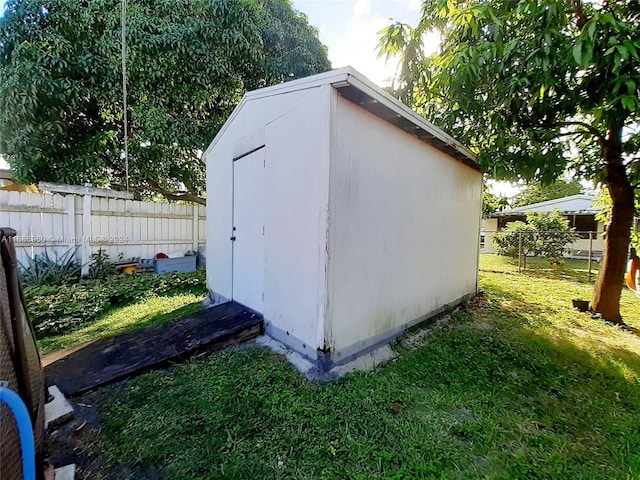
{"x":110,"y":359}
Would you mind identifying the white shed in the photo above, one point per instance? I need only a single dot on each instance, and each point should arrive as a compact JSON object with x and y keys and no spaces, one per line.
{"x":339,"y":214}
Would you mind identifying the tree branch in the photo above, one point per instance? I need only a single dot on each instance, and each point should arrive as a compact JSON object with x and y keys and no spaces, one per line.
{"x":174,"y":196}
{"x":187,"y":183}
{"x":569,"y":134}
{"x":581,"y":18}
{"x":589,"y":128}
{"x":198,"y":158}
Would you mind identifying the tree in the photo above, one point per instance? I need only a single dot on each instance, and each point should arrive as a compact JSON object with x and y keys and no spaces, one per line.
{"x":545,"y":234}
{"x":492,"y":204}
{"x":189,"y":63}
{"x":536,"y":192}
{"x":527,"y":83}
{"x":603,"y":201}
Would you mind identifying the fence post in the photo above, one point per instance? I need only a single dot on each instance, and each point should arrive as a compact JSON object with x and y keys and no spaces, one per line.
{"x":195,"y":228}
{"x":590,"y":252}
{"x":85,"y":240}
{"x":519,"y":252}
{"x":71,"y":222}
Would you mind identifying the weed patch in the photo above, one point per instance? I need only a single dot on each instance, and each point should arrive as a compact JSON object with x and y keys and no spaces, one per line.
{"x":57,"y":309}
{"x":518,"y":386}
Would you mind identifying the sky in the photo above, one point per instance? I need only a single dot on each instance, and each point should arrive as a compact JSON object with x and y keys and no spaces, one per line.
{"x":349,"y":28}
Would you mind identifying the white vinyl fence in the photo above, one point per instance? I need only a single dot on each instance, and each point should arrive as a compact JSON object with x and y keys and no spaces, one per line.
{"x":88,"y":222}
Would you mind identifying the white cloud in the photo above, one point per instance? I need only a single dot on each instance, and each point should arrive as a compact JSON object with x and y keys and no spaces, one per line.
{"x":350,"y":29}
{"x":362,"y":8}
{"x":359,"y":50}
{"x":415,"y":5}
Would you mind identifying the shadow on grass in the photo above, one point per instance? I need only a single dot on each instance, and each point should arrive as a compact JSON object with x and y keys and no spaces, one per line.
{"x":101,"y":328}
{"x":169,"y":317}
{"x":612,"y":360}
{"x":472,"y":403}
{"x":570,"y":269}
{"x":584,"y":392}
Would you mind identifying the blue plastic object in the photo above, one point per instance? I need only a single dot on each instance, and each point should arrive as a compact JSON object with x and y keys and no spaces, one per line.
{"x":23,"y":420}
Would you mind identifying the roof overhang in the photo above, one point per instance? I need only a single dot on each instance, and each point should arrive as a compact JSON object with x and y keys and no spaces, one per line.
{"x":362,"y":92}
{"x":519,"y":213}
{"x":356,"y":88}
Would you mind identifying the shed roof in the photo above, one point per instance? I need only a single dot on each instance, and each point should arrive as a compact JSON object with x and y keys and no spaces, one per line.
{"x":573,"y":204}
{"x":358,"y":89}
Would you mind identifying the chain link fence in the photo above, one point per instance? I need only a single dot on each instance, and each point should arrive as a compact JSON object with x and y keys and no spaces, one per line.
{"x":553,"y":246}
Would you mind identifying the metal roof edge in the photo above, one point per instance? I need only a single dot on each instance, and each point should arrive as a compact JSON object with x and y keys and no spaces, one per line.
{"x":359,"y":81}
{"x":304,"y":83}
{"x":547,"y":203}
{"x":348,"y":77}
{"x":281,"y":88}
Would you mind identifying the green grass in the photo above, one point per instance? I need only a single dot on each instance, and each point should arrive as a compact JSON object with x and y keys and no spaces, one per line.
{"x":74,"y":313}
{"x":56,"y":310}
{"x":145,"y":313}
{"x":518,"y":385}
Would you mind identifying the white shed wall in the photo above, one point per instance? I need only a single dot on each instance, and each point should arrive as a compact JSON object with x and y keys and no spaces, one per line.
{"x":296,"y":203}
{"x":403,"y":228}
{"x":243,"y":132}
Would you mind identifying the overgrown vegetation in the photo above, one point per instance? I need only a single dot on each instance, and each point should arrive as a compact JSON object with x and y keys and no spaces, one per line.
{"x":101,"y":266}
{"x":148,"y":312}
{"x":58,"y":309}
{"x":517,"y":385}
{"x":545,"y":234}
{"x":51,"y":269}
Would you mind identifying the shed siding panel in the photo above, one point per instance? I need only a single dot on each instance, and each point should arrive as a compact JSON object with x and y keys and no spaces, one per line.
{"x":242,"y":133}
{"x":296,"y":199}
{"x":404,"y":228}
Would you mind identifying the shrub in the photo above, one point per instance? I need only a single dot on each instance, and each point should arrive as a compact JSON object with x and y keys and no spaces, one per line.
{"x":44,"y":269}
{"x":545,"y":234}
{"x":100,"y":265}
{"x":56,"y":309}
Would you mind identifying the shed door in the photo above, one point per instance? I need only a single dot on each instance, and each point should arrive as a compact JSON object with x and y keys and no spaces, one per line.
{"x":248,"y":221}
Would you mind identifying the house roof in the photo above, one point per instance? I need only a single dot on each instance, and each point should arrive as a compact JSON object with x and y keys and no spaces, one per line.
{"x":358,"y":89}
{"x":580,"y":204}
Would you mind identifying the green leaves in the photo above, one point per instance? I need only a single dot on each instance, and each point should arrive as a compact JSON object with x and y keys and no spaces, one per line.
{"x":188,"y":65}
{"x":535,"y":192}
{"x":56,"y":309}
{"x":544,"y":234}
{"x":512,"y":81}
{"x":539,"y":88}
{"x":583,"y":52}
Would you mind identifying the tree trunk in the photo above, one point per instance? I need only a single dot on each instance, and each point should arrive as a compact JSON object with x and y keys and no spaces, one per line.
{"x":606,"y":295}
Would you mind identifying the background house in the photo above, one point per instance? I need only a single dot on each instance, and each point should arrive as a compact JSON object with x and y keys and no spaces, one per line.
{"x":339,"y":214}
{"x":579,"y":210}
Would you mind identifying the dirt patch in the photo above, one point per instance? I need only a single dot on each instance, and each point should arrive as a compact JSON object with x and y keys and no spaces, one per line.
{"x":77,"y":442}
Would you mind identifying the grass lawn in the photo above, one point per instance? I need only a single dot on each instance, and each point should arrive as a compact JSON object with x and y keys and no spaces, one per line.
{"x":145,"y":313}
{"x":517,"y":385}
{"x":68,"y":315}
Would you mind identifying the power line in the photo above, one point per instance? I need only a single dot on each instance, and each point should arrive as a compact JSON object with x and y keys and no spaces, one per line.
{"x":124,"y":91}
